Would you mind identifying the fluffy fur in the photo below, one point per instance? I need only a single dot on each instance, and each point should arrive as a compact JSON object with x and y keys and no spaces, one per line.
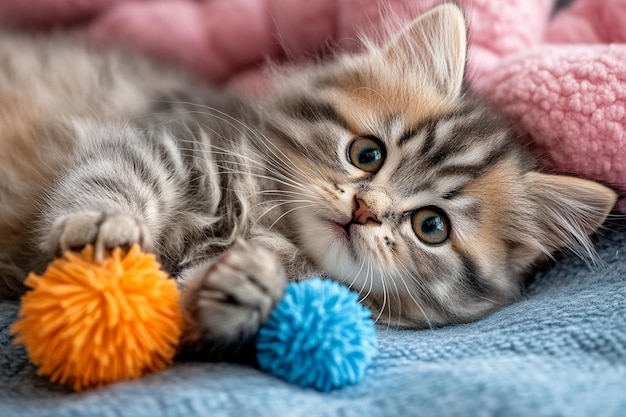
{"x":377,"y":169}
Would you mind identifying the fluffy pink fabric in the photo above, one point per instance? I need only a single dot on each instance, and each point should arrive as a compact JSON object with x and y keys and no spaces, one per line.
{"x":569,"y":91}
{"x":546,"y":74}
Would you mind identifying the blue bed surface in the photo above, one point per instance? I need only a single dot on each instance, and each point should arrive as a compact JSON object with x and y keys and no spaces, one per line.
{"x":561,"y":351}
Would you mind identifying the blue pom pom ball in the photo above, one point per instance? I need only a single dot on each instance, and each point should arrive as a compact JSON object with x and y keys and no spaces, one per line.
{"x":319,"y":336}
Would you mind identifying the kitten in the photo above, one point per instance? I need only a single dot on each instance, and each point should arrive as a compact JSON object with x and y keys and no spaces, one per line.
{"x":378,"y":170}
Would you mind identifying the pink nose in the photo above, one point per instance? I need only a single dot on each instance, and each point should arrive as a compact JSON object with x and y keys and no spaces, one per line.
{"x":362,"y":213}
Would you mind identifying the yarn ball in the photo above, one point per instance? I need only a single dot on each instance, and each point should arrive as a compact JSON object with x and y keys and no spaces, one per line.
{"x":86,"y":324}
{"x":319,"y":336}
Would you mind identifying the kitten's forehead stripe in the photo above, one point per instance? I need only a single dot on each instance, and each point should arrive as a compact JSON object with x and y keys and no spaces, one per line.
{"x":430,"y":122}
{"x":317,"y":111}
{"x":478,"y":168}
{"x":427,"y":128}
{"x":451,"y":146}
{"x":409,"y":134}
{"x":429,"y":136}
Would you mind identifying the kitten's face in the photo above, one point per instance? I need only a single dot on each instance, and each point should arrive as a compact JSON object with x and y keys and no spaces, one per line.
{"x":409,"y":191}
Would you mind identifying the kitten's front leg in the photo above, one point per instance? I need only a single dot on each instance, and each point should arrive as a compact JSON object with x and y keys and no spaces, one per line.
{"x":227,"y":300}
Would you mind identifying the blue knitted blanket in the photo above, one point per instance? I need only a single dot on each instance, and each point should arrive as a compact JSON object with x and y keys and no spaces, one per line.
{"x":560,"y":351}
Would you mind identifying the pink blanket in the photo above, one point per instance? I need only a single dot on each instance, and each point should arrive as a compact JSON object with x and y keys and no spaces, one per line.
{"x":563,"y":79}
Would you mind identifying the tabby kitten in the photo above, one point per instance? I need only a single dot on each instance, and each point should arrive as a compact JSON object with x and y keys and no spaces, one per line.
{"x":378,"y":170}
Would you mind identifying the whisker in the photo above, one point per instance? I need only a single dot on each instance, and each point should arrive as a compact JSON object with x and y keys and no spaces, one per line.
{"x":283,"y":193}
{"x":356,"y":276}
{"x":270,"y":209}
{"x":268,"y":163}
{"x":278,"y":174}
{"x":234,"y":171}
{"x":368,"y":276}
{"x":262,"y":138}
{"x":287,"y":212}
{"x":393,"y":281}
{"x":281,"y":202}
{"x":382,"y":282}
{"x":410,"y":293}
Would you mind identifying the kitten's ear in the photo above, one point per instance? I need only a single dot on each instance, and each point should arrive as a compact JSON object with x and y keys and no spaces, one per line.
{"x":435,"y":45}
{"x":568,"y":209}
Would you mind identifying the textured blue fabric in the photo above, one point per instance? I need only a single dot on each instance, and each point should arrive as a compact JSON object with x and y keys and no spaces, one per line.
{"x":318,"y":336}
{"x":560,"y":351}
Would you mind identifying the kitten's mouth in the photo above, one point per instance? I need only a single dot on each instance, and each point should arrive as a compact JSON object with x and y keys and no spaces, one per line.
{"x":342,"y":229}
{"x":345,"y":235}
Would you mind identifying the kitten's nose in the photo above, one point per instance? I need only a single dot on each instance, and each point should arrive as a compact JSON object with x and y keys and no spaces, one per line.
{"x":362,"y":213}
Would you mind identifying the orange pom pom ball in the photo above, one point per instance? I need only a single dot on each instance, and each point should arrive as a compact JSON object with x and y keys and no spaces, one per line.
{"x":86,"y":324}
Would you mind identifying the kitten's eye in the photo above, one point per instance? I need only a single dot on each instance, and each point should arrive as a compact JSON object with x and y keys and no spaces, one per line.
{"x":366,"y":153}
{"x":431,"y":225}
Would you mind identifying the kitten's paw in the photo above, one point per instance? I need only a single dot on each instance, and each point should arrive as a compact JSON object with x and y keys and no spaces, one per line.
{"x":104,"y":231}
{"x":228,"y":300}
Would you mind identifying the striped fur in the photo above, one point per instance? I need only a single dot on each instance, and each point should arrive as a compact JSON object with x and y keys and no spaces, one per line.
{"x":235,"y":196}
